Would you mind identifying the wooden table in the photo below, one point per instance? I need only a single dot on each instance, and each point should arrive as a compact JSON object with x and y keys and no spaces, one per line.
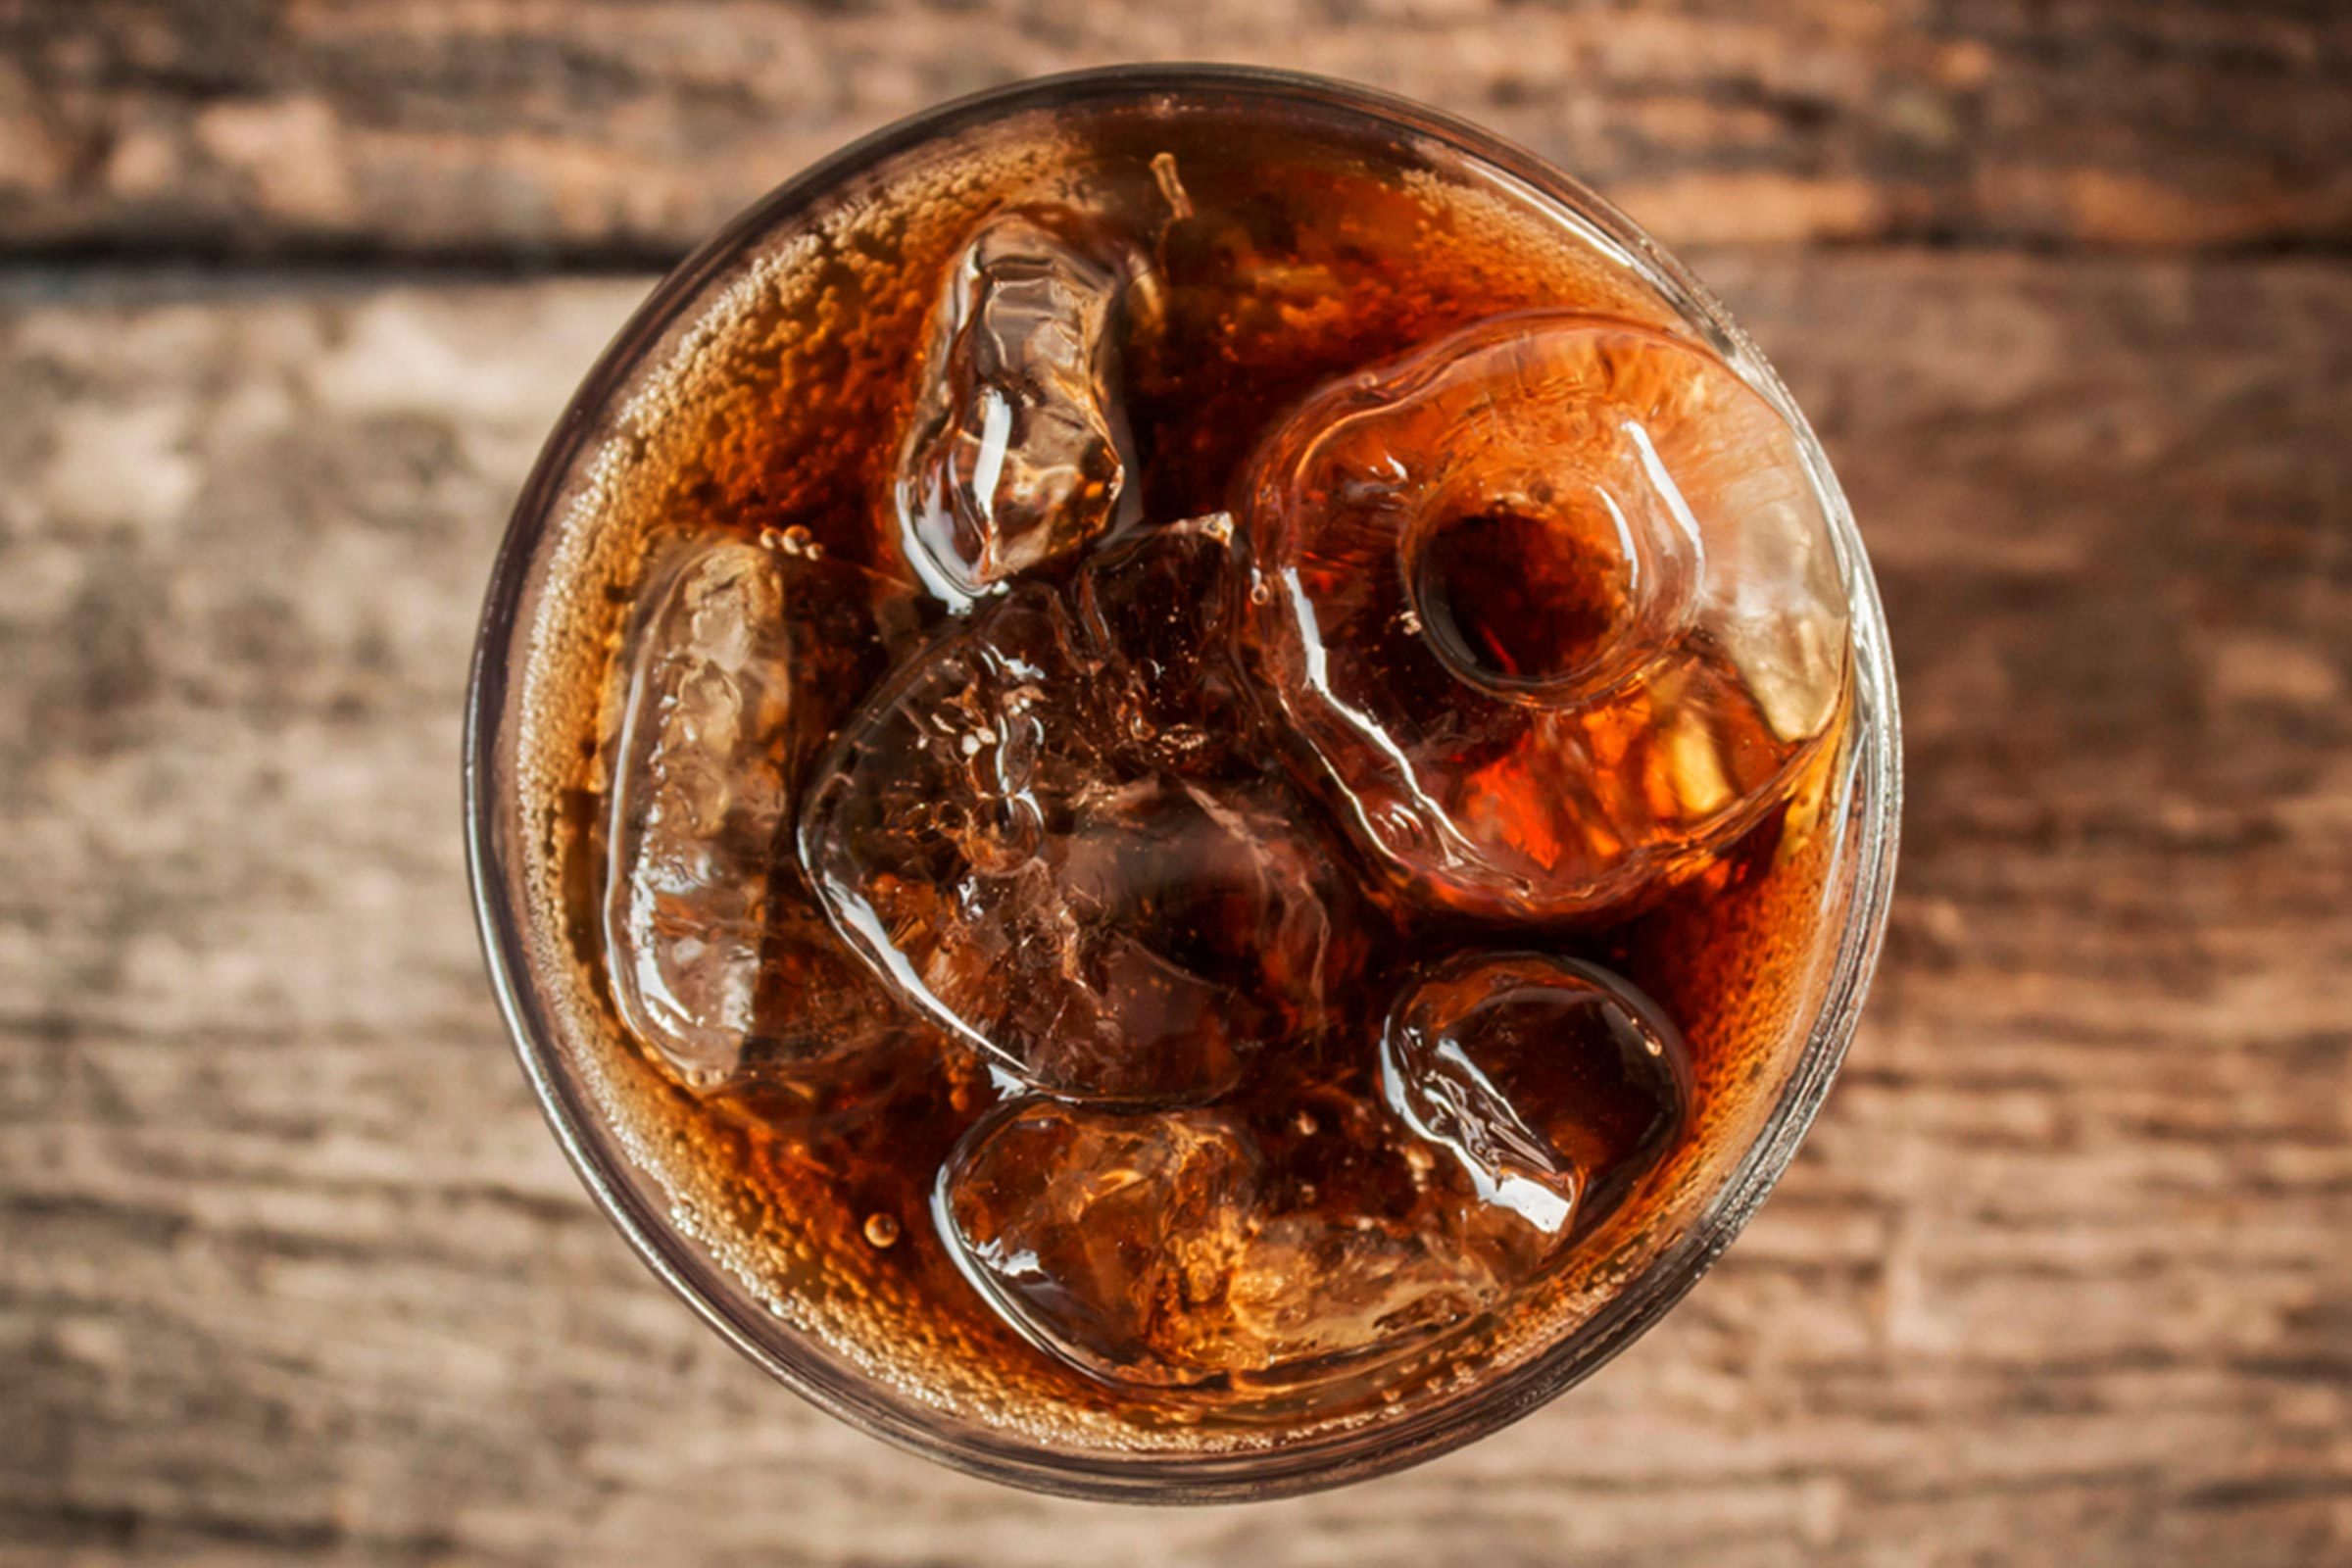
{"x":289,"y":1269}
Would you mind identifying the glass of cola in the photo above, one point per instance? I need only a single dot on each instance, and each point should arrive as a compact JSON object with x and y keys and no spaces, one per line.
{"x":1181,"y":782}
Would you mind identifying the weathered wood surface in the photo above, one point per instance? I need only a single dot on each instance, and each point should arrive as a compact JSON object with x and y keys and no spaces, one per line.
{"x":619,"y":129}
{"x":290,"y":1271}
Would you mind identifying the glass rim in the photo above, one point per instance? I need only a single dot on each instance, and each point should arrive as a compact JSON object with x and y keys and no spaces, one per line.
{"x":1327,"y":1459}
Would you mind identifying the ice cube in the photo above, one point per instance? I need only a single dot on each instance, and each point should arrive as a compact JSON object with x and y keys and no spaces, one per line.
{"x":1552,"y":602}
{"x":1552,"y":1082}
{"x":1017,"y":453}
{"x":1170,"y":1248}
{"x":995,"y":836}
{"x":739,"y":670}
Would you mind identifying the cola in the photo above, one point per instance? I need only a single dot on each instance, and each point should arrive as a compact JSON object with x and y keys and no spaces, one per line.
{"x":1208,"y":791}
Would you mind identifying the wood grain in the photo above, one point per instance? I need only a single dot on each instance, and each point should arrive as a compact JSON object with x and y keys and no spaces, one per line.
{"x":617,"y":130}
{"x":289,"y":1269}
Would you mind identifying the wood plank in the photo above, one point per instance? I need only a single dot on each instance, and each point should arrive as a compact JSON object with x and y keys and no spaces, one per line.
{"x":619,"y":129}
{"x":290,"y":1271}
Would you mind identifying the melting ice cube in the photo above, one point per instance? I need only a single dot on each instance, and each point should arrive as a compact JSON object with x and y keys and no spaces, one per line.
{"x":1555,"y":604}
{"x":1018,"y":450}
{"x":739,"y":669}
{"x":1550,"y":1081}
{"x":1172,"y":1249}
{"x":1023,"y":834}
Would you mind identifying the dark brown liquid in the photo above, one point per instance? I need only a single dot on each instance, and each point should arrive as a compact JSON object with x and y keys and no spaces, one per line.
{"x":1279,"y":258}
{"x":1513,"y":599}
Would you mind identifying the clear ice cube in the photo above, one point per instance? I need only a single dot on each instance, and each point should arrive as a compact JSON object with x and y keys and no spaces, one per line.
{"x":1552,"y":1082}
{"x":1017,"y":453}
{"x":739,"y":670}
{"x":1027,"y":835}
{"x":1552,"y":602}
{"x":1173,"y":1249}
